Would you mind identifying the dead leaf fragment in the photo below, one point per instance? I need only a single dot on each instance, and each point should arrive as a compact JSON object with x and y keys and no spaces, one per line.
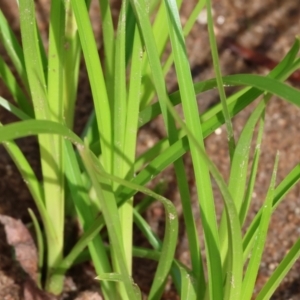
{"x":19,"y":237}
{"x":87,"y":295}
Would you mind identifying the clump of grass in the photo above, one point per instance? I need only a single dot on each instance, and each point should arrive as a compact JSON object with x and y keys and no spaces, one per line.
{"x":96,"y":175}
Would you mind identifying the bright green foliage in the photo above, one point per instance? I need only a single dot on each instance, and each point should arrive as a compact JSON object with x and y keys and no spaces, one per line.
{"x":94,"y":174}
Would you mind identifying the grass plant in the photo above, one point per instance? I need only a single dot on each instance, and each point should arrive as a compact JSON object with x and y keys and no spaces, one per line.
{"x":98,"y":173}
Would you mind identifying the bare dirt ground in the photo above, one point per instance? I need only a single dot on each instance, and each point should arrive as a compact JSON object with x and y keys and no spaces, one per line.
{"x":268,"y":27}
